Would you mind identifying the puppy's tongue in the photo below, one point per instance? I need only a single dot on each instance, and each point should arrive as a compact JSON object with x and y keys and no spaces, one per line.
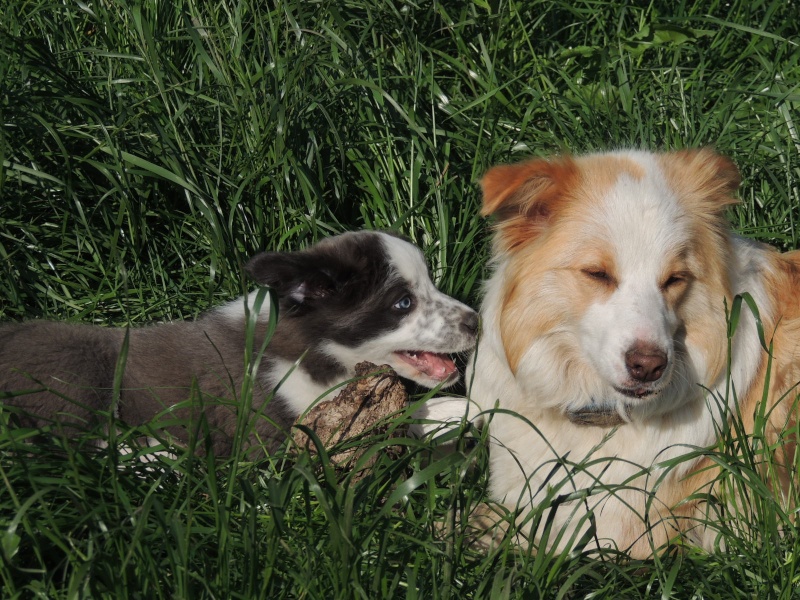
{"x":436,"y":366}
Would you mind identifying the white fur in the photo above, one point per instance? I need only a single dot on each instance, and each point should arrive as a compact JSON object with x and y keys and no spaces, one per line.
{"x":635,"y":214}
{"x":295,"y":384}
{"x":642,"y":223}
{"x":236,"y":310}
{"x":445,"y":414}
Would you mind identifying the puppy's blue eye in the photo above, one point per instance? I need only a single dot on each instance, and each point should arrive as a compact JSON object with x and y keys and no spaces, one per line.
{"x":404,"y":303}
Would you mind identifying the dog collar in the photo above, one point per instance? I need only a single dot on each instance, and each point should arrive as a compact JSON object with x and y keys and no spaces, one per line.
{"x":596,"y":415}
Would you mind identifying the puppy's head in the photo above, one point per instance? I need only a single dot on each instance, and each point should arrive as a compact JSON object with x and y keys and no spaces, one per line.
{"x":367,"y":296}
{"x":614,"y":277}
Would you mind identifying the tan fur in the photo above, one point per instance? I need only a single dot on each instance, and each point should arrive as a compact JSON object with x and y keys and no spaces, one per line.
{"x":551,"y":246}
{"x":537,"y":194}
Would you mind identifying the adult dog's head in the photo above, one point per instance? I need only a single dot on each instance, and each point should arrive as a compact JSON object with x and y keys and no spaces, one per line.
{"x":614,"y":270}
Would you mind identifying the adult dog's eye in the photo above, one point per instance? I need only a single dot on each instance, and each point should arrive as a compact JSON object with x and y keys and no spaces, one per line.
{"x":597,"y":275}
{"x":405,"y":303}
{"x":675,"y":279}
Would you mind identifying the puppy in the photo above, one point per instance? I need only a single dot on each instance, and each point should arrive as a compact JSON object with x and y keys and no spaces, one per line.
{"x":605,"y":342}
{"x":362,"y":296}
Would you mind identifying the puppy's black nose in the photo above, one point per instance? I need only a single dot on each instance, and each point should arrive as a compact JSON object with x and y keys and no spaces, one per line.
{"x":469,"y":322}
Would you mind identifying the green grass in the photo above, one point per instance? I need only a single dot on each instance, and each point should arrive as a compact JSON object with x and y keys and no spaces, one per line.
{"x":148,"y":148}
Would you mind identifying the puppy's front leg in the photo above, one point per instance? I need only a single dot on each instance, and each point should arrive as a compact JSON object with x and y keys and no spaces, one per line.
{"x":441,"y":415}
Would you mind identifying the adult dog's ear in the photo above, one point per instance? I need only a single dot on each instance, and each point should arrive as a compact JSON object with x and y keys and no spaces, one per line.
{"x":524,"y":197}
{"x":704,"y":179}
{"x":296,"y":277}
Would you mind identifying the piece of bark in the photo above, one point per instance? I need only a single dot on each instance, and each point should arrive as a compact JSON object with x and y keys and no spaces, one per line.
{"x":362,"y":408}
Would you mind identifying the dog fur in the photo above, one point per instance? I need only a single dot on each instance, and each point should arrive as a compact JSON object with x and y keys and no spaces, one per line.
{"x":604,"y":329}
{"x":360,"y":296}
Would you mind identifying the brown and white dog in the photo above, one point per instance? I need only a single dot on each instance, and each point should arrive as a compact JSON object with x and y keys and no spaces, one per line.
{"x":360,"y":296}
{"x":604,"y":334}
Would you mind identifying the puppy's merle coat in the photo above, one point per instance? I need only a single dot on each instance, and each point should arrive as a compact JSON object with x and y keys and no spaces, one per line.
{"x":354,"y":297}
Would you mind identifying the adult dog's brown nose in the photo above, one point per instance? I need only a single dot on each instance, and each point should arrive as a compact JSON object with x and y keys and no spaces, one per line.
{"x":645,"y":362}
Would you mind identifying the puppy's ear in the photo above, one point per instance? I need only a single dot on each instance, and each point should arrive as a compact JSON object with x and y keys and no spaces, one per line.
{"x":524,"y":197}
{"x":298,"y":277}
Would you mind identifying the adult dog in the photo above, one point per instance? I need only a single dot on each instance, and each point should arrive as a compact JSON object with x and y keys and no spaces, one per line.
{"x":360,"y":296}
{"x":605,"y":342}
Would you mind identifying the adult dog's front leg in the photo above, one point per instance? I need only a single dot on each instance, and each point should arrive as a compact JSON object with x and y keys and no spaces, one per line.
{"x":441,"y":415}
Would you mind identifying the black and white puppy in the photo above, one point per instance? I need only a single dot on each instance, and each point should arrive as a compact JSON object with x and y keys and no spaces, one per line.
{"x":360,"y":296}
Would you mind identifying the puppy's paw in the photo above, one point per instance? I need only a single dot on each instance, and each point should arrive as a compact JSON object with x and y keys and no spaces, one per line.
{"x":442,"y":415}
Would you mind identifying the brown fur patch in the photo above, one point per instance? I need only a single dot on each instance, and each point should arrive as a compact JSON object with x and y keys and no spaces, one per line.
{"x":701,"y":305}
{"x":704,"y":181}
{"x":600,"y":172}
{"x":526,"y":197}
{"x":782,"y":330}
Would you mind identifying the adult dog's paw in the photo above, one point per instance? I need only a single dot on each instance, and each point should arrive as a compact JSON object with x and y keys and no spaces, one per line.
{"x":442,"y":415}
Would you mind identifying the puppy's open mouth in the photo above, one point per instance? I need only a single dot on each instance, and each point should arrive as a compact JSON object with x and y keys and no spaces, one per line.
{"x":438,"y":367}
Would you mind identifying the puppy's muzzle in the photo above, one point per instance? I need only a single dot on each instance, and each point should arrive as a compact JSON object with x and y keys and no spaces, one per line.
{"x":470,"y":322}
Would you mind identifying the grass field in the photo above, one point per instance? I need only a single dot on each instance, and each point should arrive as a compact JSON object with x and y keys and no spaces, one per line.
{"x":148,"y":148}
